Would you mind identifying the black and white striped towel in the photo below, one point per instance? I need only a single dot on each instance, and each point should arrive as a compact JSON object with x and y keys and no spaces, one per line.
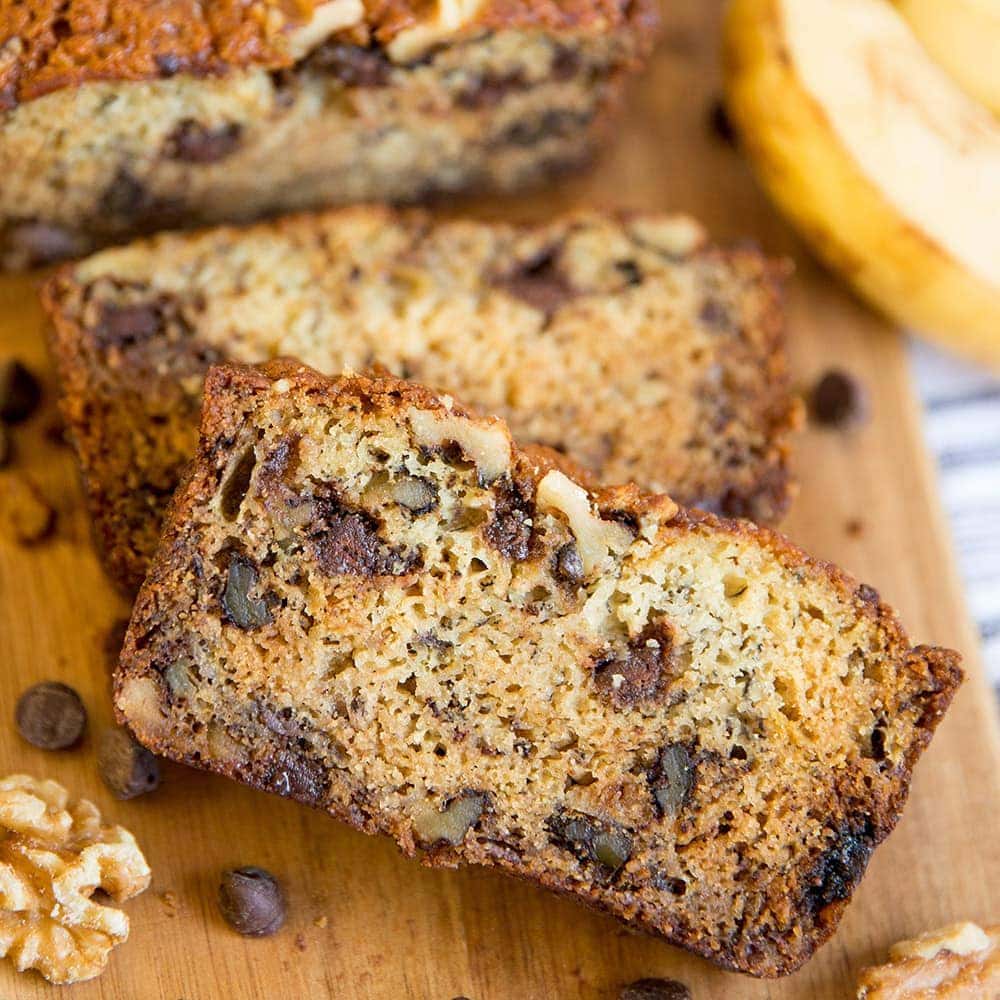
{"x":962,"y":424}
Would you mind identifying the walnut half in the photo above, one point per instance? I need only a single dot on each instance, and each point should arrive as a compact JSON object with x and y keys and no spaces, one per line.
{"x":54,"y":854}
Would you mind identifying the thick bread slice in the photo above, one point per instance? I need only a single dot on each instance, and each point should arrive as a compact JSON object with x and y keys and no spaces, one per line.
{"x":628,"y":343}
{"x":370,"y":600}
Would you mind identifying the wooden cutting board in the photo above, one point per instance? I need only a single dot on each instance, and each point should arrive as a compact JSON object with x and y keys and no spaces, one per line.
{"x":364,"y":922}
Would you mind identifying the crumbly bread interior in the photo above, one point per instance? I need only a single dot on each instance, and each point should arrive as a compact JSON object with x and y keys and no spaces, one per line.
{"x":626,"y":343}
{"x":374,"y":602}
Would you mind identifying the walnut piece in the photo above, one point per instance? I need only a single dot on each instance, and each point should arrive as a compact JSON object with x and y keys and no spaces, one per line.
{"x":958,"y":962}
{"x":54,"y":854}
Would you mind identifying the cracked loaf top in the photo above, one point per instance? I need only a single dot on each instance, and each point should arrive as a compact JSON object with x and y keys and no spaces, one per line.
{"x":46,"y":45}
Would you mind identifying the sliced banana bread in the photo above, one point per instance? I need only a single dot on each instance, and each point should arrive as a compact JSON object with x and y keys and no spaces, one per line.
{"x":626,"y":343}
{"x":370,"y":600}
{"x":128,"y":117}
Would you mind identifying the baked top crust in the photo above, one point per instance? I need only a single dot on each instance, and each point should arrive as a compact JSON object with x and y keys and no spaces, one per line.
{"x":46,"y":45}
{"x":369,"y":599}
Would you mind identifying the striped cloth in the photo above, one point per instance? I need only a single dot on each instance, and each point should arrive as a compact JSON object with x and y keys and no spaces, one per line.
{"x":962,"y":425}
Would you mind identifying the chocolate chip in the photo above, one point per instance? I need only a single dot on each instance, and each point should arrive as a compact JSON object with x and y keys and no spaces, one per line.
{"x":20,"y":392}
{"x":124,"y":197}
{"x":35,"y":244}
{"x":546,"y":126}
{"x":655,"y":989}
{"x":193,"y":142}
{"x":642,"y":671}
{"x":489,"y":91}
{"x":353,"y":65}
{"x":242,"y":609}
{"x":604,"y":843}
{"x":867,"y":594}
{"x":251,"y":901}
{"x":51,"y":716}
{"x":630,"y":271}
{"x":715,"y":314}
{"x":125,"y":326}
{"x":347,"y":541}
{"x":168,"y":63}
{"x":568,"y":564}
{"x":299,"y":777}
{"x":720,"y":123}
{"x":509,"y":529}
{"x":672,"y":778}
{"x":540,"y":282}
{"x":6,"y":447}
{"x":838,"y":400}
{"x":127,"y":768}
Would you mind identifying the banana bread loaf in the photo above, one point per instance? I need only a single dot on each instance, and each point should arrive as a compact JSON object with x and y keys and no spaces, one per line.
{"x":625,"y":343}
{"x":134,"y":116}
{"x":372,"y":601}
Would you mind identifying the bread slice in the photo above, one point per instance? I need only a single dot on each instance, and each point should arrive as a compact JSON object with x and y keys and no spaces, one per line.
{"x":370,"y":600}
{"x":627,"y":343}
{"x":139,"y":116}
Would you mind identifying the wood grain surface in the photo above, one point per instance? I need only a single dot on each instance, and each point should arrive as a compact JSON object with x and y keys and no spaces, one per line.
{"x":363,"y":921}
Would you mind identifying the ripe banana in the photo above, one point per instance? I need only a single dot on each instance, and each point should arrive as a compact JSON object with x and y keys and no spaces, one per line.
{"x":885,"y":165}
{"x":964,"y":37}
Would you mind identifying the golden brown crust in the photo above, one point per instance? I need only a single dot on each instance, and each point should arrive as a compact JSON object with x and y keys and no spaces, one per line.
{"x":785,"y":911}
{"x":52,"y":44}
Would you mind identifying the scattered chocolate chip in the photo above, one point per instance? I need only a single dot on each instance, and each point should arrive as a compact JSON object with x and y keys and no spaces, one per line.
{"x":509,"y":529}
{"x":642,"y":671}
{"x":299,"y":777}
{"x":242,"y":609}
{"x":655,"y":989}
{"x":715,"y":314}
{"x":124,"y":326}
{"x":353,"y":65}
{"x":347,"y":541}
{"x":127,"y":768}
{"x":867,"y":594}
{"x":720,"y":122}
{"x":603,"y":843}
{"x":6,"y":447}
{"x":124,"y":197}
{"x":552,"y":123}
{"x":35,"y":244}
{"x":26,"y":515}
{"x":193,"y":142}
{"x":838,"y":400}
{"x":540,"y":282}
{"x":489,"y":91}
{"x":568,"y":564}
{"x":630,"y":271}
{"x":672,"y":778}
{"x":168,"y":63}
{"x":51,"y":716}
{"x":251,"y":901}
{"x":20,"y":392}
